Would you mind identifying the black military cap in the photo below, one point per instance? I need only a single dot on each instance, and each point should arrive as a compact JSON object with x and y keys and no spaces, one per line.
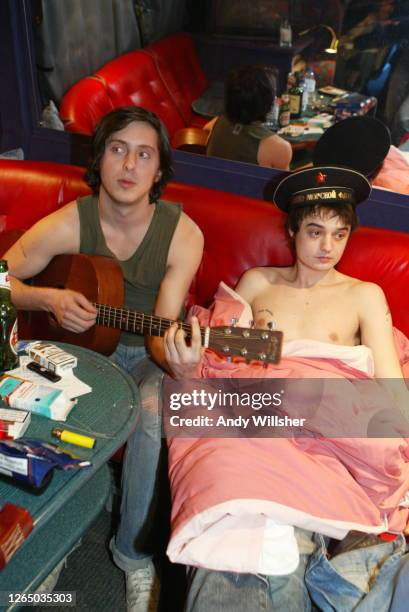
{"x":361,"y":143}
{"x":327,"y":185}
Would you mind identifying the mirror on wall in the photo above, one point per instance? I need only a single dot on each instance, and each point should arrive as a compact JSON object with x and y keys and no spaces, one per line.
{"x":73,"y":39}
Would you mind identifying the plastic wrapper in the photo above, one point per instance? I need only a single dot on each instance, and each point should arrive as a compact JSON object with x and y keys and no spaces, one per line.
{"x":31,"y":462}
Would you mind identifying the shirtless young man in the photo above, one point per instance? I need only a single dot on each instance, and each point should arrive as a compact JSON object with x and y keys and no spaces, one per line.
{"x":159,"y":249}
{"x":309,"y":300}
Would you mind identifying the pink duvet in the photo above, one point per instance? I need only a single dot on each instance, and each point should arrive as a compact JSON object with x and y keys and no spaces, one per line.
{"x":235,"y":502}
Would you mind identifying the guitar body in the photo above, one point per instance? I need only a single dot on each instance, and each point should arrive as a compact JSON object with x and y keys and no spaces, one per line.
{"x":99,"y":279}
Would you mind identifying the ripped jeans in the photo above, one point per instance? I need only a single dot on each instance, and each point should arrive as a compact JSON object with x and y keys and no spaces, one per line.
{"x":361,"y":580}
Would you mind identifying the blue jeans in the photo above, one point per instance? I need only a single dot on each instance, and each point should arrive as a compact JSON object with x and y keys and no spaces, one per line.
{"x":131,"y":546}
{"x":400,"y":601}
{"x":361,"y":580}
{"x":231,"y":592}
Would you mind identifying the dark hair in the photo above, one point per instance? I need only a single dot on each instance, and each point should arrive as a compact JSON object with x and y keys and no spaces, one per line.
{"x":117,"y":120}
{"x":249,"y":93}
{"x":296,"y":215}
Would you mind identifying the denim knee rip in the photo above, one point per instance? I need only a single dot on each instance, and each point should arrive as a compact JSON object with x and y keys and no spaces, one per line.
{"x":361,"y":580}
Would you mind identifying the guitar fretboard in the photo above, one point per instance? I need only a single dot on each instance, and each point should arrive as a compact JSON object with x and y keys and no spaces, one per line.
{"x":136,"y":322}
{"x":260,"y":344}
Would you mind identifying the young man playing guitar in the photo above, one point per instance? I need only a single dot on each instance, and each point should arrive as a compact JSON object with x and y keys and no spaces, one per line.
{"x":159,"y":249}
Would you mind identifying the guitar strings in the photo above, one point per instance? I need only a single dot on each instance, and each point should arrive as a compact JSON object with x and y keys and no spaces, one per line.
{"x":147,"y":321}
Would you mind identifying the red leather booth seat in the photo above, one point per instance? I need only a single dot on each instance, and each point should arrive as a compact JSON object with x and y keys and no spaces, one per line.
{"x":179,"y":67}
{"x":239,"y":232}
{"x":164,"y":78}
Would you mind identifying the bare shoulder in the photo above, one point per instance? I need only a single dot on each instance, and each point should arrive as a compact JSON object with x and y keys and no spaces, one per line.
{"x":370,"y":301}
{"x":60,"y":230}
{"x":186,"y":248}
{"x":274,"y":152}
{"x":187,"y":224}
{"x":368,"y":292}
{"x":188,"y":230}
{"x":56,"y":234}
{"x":255,"y":280}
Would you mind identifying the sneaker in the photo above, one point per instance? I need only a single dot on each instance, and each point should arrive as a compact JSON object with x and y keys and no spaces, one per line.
{"x":49,"y":583}
{"x":142,"y":590}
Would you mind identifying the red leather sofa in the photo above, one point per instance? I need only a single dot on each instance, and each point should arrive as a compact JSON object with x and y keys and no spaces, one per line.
{"x":165,"y":78}
{"x":240,"y":232}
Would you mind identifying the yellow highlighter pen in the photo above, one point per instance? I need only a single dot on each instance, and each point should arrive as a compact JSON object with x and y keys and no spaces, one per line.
{"x":73,"y":438}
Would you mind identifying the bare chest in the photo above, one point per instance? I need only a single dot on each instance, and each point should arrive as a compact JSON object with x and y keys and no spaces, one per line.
{"x":324,"y":315}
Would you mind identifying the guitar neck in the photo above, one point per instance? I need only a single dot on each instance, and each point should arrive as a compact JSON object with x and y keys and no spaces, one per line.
{"x":136,"y":322}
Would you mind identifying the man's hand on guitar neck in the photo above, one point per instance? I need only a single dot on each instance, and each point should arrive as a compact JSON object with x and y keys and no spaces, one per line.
{"x":184,"y":360}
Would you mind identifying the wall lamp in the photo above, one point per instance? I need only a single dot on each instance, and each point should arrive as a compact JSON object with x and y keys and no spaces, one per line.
{"x":333,"y":48}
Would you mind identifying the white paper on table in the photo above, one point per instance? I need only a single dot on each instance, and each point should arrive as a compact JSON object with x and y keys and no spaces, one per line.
{"x":73,"y":386}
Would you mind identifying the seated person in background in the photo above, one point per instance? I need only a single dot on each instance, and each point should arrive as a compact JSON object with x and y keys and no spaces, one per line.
{"x":159,"y":249}
{"x":364,"y":144}
{"x":334,"y":314}
{"x":239,"y":133}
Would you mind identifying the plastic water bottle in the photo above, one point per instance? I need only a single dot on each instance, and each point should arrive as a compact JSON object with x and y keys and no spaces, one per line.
{"x":310,"y":85}
{"x":272,"y":116}
{"x":286,"y":34}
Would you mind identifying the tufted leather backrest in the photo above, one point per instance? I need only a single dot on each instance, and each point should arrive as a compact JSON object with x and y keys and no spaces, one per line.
{"x":240,"y":232}
{"x":179,"y":67}
{"x":133,"y":79}
{"x":84,"y":104}
{"x":164,"y":78}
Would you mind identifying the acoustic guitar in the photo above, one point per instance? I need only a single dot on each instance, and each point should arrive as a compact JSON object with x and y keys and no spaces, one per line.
{"x":100,"y":280}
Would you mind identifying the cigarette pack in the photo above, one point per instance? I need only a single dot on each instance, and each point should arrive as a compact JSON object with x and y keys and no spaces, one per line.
{"x":51,"y":357}
{"x":13,"y":423}
{"x":15,"y":525}
{"x":40,"y":399}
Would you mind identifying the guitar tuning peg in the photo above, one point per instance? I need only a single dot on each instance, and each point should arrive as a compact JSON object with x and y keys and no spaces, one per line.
{"x":271,"y":325}
{"x":234,"y":321}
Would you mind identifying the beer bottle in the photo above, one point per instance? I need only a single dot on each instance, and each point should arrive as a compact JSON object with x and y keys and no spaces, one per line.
{"x":8,"y":322}
{"x":296,"y":94}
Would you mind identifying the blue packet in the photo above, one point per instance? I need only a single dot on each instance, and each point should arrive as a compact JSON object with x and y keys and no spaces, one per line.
{"x":31,"y":462}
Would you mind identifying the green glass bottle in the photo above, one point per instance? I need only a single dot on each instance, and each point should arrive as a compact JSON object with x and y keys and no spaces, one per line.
{"x":296,"y":94}
{"x":8,"y":322}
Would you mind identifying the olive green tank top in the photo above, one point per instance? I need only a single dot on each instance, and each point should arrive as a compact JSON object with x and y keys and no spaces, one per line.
{"x":144,"y":270}
{"x":236,"y":141}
